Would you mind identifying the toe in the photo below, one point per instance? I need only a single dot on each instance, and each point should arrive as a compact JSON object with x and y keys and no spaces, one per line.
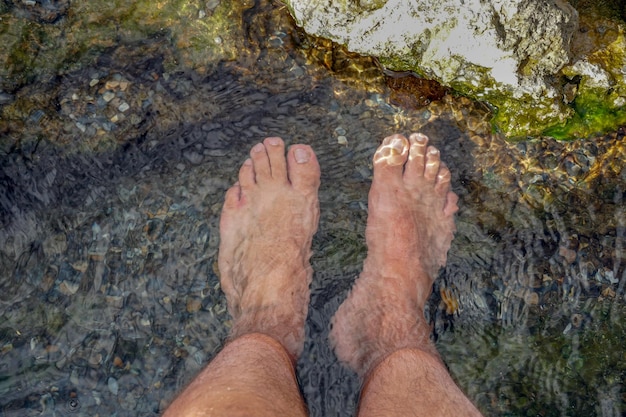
{"x":303,"y":168}
{"x":246,"y":174}
{"x":391,"y":156}
{"x":275,"y":148}
{"x":451,"y":206}
{"x":233,"y":196}
{"x":442,"y":182}
{"x":432,"y":163}
{"x":261,"y":163}
{"x":417,"y":156}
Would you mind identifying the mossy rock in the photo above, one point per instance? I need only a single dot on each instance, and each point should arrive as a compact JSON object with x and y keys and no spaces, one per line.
{"x":540,"y":81}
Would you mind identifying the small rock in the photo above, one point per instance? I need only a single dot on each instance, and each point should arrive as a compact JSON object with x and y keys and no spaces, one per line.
{"x":113,"y":385}
{"x":568,"y":254}
{"x":118,"y":362}
{"x":180,"y":352}
{"x":108,"y":96}
{"x":110,"y":85}
{"x":275,"y":41}
{"x":80,"y":266}
{"x":532,"y":298}
{"x":608,"y":292}
{"x":166,"y":303}
{"x":6,"y":98}
{"x":68,"y":288}
{"x":123,"y":107}
{"x":212,"y":4}
{"x":297,"y":71}
{"x":340,"y":131}
{"x":94,"y":82}
{"x":193,"y":304}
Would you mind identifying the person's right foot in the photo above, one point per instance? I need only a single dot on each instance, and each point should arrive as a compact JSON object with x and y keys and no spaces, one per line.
{"x":267,"y":225}
{"x":409,"y":230}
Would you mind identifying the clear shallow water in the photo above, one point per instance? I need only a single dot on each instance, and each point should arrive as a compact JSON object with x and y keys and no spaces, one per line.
{"x":109,"y":298}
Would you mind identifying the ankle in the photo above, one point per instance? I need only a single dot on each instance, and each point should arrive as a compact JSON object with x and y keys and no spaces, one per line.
{"x":284,"y":329}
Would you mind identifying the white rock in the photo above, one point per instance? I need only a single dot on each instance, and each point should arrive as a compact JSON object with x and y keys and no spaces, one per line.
{"x":595,"y":76}
{"x":516,"y":43}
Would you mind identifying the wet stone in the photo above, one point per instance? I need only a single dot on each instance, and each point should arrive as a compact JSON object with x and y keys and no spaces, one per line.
{"x":113,"y":385}
{"x":6,"y":98}
{"x":108,"y":96}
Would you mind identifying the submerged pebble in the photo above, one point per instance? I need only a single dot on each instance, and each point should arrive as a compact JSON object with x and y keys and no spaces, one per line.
{"x":6,"y":98}
{"x":108,"y":96}
{"x":113,"y":385}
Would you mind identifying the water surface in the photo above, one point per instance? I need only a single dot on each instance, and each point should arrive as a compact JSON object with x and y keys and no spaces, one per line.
{"x":109,"y":296}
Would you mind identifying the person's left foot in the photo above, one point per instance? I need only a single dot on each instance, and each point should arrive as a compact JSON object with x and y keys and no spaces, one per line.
{"x":268,"y":221}
{"x":410,"y":226}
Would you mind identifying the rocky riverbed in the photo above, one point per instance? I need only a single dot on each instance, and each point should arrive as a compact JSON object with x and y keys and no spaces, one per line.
{"x":112,"y":173}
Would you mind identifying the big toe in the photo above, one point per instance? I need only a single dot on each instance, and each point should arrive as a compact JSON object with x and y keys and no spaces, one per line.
{"x":390,"y":157}
{"x":303,"y":168}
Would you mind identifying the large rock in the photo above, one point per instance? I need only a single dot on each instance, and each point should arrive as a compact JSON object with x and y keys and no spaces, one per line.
{"x":507,"y":52}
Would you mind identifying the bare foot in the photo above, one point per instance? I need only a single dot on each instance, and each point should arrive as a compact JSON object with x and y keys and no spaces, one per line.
{"x":268,"y":221}
{"x":410,"y":227}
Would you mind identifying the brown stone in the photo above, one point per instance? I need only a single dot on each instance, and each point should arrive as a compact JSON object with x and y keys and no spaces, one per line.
{"x":193,"y":304}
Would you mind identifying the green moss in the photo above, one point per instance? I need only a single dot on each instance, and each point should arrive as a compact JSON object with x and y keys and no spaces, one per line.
{"x":594,"y":114}
{"x":597,"y":108}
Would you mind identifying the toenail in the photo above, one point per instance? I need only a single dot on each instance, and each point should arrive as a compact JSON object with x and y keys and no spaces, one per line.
{"x":247,"y":162}
{"x":433,"y":151}
{"x":301,"y":155}
{"x":273,"y":141}
{"x":258,"y":147}
{"x":397,"y":144}
{"x":420,"y":137}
